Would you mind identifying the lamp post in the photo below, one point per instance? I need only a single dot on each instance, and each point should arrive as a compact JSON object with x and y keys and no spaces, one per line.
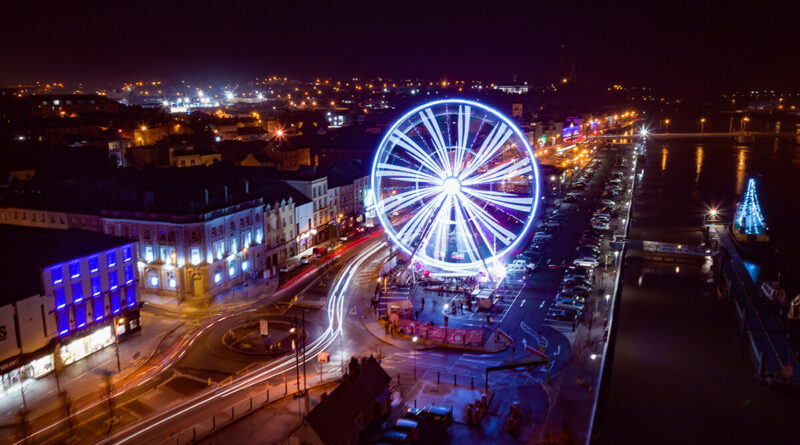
{"x":666,"y":125}
{"x":702,"y":124}
{"x":414,"y":340}
{"x":118,"y":321}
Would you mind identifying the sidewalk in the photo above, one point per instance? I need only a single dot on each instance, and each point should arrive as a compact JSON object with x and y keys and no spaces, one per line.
{"x":87,"y":377}
{"x":378,"y":330}
{"x":238,"y":297}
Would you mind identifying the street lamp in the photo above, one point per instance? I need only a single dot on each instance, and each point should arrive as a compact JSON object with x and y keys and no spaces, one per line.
{"x":414,"y":340}
{"x":666,"y":124}
{"x":702,"y":124}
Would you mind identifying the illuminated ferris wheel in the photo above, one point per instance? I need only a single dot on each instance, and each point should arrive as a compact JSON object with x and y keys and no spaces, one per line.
{"x":455,"y":184}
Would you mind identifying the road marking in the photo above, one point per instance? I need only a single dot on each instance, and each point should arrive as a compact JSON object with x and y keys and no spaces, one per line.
{"x":542,"y":305}
{"x":523,"y":303}
{"x":558,"y":351}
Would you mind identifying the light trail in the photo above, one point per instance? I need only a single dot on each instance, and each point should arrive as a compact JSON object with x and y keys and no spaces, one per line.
{"x":179,"y":349}
{"x":335,"y":310}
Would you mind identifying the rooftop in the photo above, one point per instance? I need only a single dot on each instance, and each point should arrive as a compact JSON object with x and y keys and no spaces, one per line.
{"x":25,"y":251}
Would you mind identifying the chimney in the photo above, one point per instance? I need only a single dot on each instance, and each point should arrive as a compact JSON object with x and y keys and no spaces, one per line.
{"x":205,"y":193}
{"x":226,"y":193}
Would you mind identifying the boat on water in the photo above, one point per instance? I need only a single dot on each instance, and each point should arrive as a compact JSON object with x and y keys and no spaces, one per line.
{"x":774,"y":292}
{"x":749,"y":230}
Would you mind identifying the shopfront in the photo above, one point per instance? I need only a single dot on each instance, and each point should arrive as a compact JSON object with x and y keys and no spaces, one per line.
{"x":25,"y":367}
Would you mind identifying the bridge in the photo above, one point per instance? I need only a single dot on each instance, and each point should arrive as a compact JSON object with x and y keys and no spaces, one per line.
{"x":748,"y":136}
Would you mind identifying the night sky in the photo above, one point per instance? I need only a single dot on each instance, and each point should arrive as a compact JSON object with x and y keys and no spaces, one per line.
{"x":671,"y":46}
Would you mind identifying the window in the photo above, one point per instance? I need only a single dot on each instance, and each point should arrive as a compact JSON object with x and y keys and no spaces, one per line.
{"x":232,"y":269}
{"x":219,"y":249}
{"x":55,"y":272}
{"x":131,"y":296}
{"x":99,"y":309}
{"x":111,"y":259}
{"x":62,"y":319}
{"x":247,"y":239}
{"x":233,"y":225}
{"x":152,"y":278}
{"x":127,"y":254}
{"x":244,"y":266}
{"x":172,"y":283}
{"x":128,"y":274}
{"x":95,"y":286}
{"x":74,"y":270}
{"x":94,"y":264}
{"x":77,"y":292}
{"x":148,"y":254}
{"x":61,"y":299}
{"x":233,"y":245}
{"x":112,"y":280}
{"x":196,"y":256}
{"x":80,"y":316}
{"x":259,"y":236}
{"x":214,"y":232}
{"x":217,"y":276}
{"x":116,"y":304}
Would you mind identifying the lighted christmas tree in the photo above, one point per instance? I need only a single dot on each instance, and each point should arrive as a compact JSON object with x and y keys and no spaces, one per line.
{"x":749,"y":219}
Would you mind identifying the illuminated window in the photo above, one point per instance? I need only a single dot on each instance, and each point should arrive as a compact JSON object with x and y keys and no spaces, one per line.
{"x":61,"y":299}
{"x":80,"y":316}
{"x":55,"y":272}
{"x":148,"y":254}
{"x":244,"y":266}
{"x":111,"y":258}
{"x":153,"y":278}
{"x":131,"y":296}
{"x":62,"y":319}
{"x":74,"y":270}
{"x":127,"y":254}
{"x":95,"y":286}
{"x":232,"y":269}
{"x":196,"y":256}
{"x":77,"y":292}
{"x":217,"y":276}
{"x":99,"y":309}
{"x":116,"y":304}
{"x":128,"y":274}
{"x":94,"y":264}
{"x":112,"y":280}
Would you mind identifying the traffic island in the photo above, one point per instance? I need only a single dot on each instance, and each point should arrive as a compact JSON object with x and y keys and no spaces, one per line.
{"x":247,"y":338}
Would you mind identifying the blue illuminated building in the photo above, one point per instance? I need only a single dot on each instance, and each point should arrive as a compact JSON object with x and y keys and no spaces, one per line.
{"x":66,"y":294}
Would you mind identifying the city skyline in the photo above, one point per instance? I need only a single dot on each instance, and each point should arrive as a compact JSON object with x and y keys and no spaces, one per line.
{"x":594,"y":44}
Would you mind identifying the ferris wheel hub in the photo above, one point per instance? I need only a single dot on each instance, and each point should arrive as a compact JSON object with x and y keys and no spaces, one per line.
{"x":451,"y":185}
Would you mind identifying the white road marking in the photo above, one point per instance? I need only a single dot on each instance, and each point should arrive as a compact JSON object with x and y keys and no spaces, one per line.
{"x":558,"y":351}
{"x":523,"y":303}
{"x":542,"y":305}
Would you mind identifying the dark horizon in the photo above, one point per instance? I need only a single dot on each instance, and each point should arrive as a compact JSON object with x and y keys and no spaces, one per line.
{"x":677,"y":49}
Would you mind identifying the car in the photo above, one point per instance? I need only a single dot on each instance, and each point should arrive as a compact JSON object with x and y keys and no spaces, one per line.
{"x":568,"y":281}
{"x":600,"y":225}
{"x":588,"y":242}
{"x":408,"y":426}
{"x":571,"y":296}
{"x":431,"y":414}
{"x":577,"y":288}
{"x":588,"y":251}
{"x":590,"y":262}
{"x":571,"y":199}
{"x":562,"y":315}
{"x":305,"y":259}
{"x":285,"y":268}
{"x":551,"y":224}
{"x":395,"y":437}
{"x":567,"y":303}
{"x":584,"y":275}
{"x":360,"y":229}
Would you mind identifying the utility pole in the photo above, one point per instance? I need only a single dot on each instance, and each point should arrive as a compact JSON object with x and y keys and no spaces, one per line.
{"x":296,"y":353}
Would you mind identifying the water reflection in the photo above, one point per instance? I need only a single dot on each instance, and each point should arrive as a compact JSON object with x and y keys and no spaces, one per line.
{"x":664,"y":154}
{"x":698,"y":162}
{"x":741,"y":169}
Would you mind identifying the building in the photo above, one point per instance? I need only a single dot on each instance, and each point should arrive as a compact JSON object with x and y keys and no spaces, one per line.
{"x":340,"y":417}
{"x":70,"y":105}
{"x":62,"y":298}
{"x":199,"y":230}
{"x":279,"y":224}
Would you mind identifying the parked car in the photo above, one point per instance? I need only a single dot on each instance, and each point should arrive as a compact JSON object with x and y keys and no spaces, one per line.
{"x":588,"y":262}
{"x":431,"y":414}
{"x":568,"y":303}
{"x":305,"y":259}
{"x":285,"y":268}
{"x":395,"y":438}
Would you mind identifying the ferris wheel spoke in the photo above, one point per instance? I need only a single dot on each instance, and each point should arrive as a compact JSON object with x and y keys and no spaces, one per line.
{"x":500,"y":172}
{"x":479,"y":214}
{"x":423,"y":215}
{"x":472,"y":248}
{"x":415,"y":151}
{"x":402,"y":200}
{"x":463,"y":134}
{"x":502,"y":199}
{"x":439,"y":220}
{"x":399,"y":173}
{"x":429,"y":120}
{"x":496,"y":139}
